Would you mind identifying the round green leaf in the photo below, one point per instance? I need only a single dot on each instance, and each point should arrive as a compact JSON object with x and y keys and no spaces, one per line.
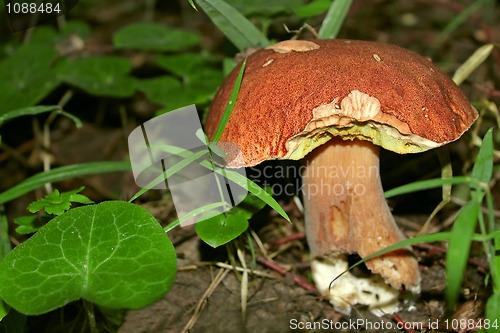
{"x":114,"y":254}
{"x":26,"y":77}
{"x":196,"y":89}
{"x":187,"y":64}
{"x":99,"y":75}
{"x":222,"y":228}
{"x":154,"y":37}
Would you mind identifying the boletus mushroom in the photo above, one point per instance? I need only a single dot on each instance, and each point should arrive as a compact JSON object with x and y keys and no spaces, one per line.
{"x":333,"y":103}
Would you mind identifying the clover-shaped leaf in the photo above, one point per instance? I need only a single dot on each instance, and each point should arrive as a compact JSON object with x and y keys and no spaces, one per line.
{"x":114,"y":254}
{"x":57,"y":203}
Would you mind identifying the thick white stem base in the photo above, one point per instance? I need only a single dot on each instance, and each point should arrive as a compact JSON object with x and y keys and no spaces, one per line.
{"x":346,"y":213}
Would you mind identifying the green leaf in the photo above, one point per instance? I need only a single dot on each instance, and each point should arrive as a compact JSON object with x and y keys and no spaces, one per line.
{"x":80,"y":28}
{"x":15,"y":322}
{"x":44,"y":35}
{"x":228,"y":64}
{"x":334,"y":19}
{"x":313,"y":8}
{"x":26,"y":77}
{"x":483,"y":167}
{"x":240,"y":31}
{"x":79,"y":198}
{"x":114,"y":254}
{"x":264,"y":7}
{"x":3,"y":310}
{"x":48,"y":36}
{"x":74,"y":196}
{"x":221,"y":229}
{"x":186,"y":65}
{"x":30,"y":224}
{"x":52,"y":203}
{"x":56,"y":203}
{"x":99,"y":75}
{"x":62,"y":173}
{"x":161,"y":90}
{"x":154,"y":37}
{"x":492,"y":311}
{"x":458,"y":250}
{"x":170,"y":92}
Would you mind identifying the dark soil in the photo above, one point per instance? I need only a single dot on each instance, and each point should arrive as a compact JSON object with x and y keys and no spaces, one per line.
{"x":276,"y":303}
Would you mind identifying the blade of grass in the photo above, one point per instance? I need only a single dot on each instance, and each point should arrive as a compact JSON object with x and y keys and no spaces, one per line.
{"x":483,"y":171}
{"x":254,"y":189}
{"x":244,"y":283}
{"x":446,"y":173}
{"x":62,"y":173}
{"x":230,"y":104}
{"x":473,"y":62}
{"x":191,"y":2}
{"x":27,"y":111}
{"x":188,"y":157}
{"x":429,"y":184}
{"x":492,"y":311}
{"x":436,"y":237}
{"x":34,"y":110}
{"x":334,"y":19}
{"x":240,"y":31}
{"x":458,"y":251}
{"x":194,"y":212}
{"x":495,"y":269}
{"x":454,"y":24}
{"x":430,"y":238}
{"x":231,"y":175}
{"x":483,"y":167}
{"x":4,"y":249}
{"x":4,"y":235}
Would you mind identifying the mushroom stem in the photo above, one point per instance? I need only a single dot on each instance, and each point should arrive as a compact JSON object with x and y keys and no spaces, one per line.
{"x":346,"y":211}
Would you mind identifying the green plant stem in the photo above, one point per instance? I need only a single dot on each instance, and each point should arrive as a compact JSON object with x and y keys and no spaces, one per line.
{"x":89,"y":308}
{"x":46,"y":136}
{"x":149,"y":11}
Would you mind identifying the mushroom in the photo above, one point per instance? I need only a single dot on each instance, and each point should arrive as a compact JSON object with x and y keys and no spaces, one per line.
{"x":333,"y":103}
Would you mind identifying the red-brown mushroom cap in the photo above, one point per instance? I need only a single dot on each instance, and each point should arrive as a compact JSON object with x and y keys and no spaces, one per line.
{"x":296,"y":95}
